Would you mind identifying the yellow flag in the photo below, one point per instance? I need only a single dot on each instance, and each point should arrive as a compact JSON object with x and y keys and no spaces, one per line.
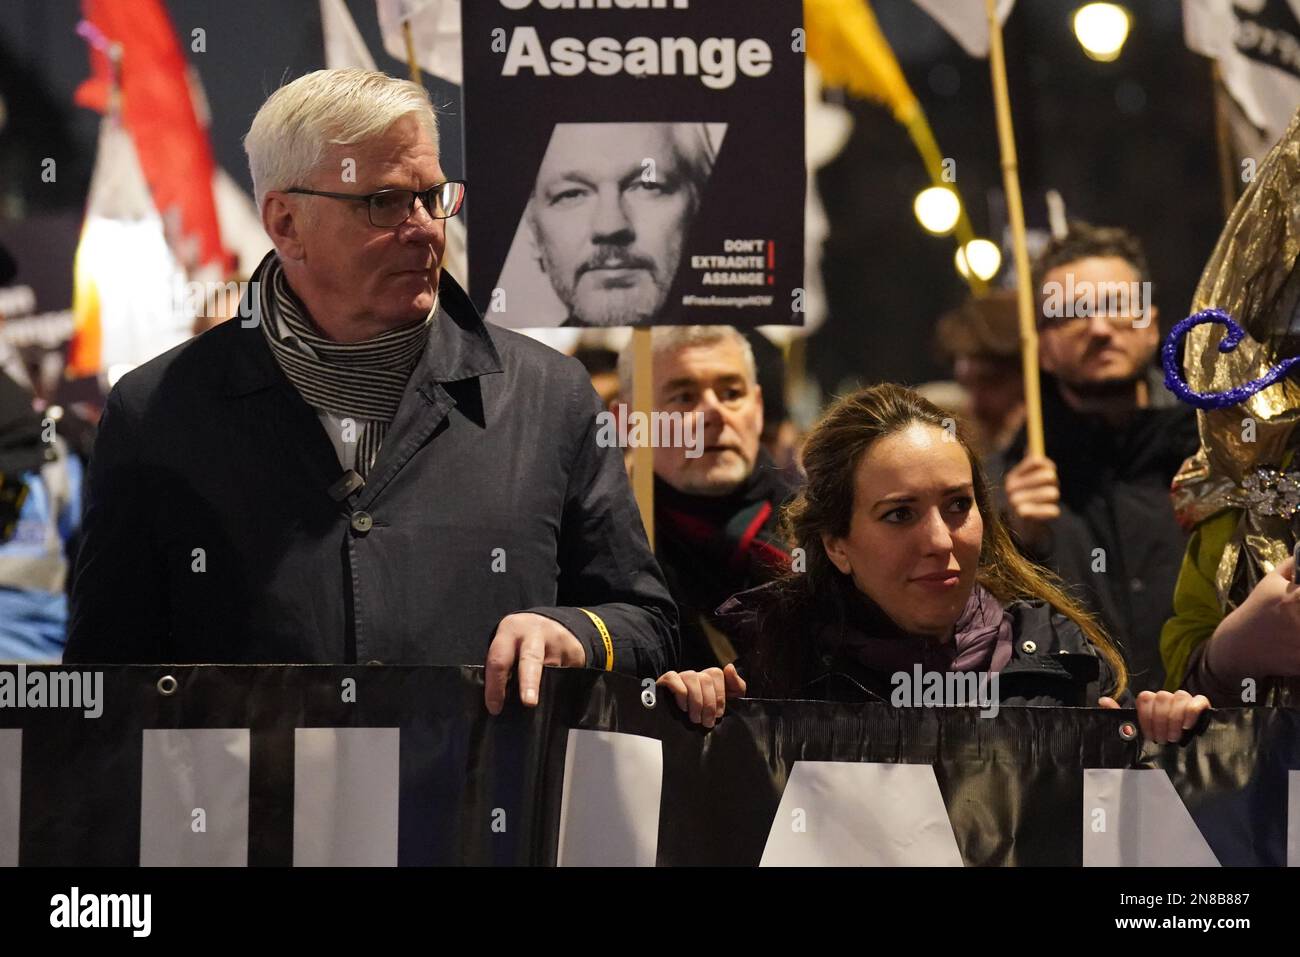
{"x":845,"y":41}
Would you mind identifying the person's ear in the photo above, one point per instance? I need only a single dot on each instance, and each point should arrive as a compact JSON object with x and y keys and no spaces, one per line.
{"x":837,"y":553}
{"x":283,"y":223}
{"x":758,"y":397}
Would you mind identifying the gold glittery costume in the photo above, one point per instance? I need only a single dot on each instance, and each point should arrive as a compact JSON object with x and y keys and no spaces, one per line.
{"x":1251,"y":275}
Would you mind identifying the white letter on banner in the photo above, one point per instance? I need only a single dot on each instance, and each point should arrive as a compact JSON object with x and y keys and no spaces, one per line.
{"x":186,"y":769}
{"x":525,"y":53}
{"x":869,"y":815}
{"x":609,"y":808}
{"x":345,"y":797}
{"x":11,"y":777}
{"x":1147,"y":823}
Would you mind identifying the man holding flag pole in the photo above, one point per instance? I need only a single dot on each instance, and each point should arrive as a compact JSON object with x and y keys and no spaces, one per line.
{"x":1104,"y":523}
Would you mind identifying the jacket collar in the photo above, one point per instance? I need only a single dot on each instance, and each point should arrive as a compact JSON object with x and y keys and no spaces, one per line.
{"x":460,"y":345}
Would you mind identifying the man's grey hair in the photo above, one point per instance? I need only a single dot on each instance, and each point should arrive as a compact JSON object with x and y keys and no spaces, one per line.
{"x":674,"y":338}
{"x":301,"y":120}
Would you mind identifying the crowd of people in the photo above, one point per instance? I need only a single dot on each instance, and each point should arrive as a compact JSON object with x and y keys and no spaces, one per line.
{"x":372,"y":473}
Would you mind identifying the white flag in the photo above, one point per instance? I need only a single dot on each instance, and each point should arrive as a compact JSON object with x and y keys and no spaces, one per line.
{"x":967,"y":21}
{"x":1257,"y":45}
{"x":344,"y":47}
{"x":131,"y":300}
{"x":435,"y":32}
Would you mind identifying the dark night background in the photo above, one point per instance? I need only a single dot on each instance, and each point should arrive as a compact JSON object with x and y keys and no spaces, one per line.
{"x":1127,"y":143}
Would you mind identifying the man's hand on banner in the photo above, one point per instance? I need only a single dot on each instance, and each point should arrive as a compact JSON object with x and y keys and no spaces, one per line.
{"x":1033,"y":494}
{"x":533,"y":641}
{"x":704,"y":694}
{"x":1164,"y":716}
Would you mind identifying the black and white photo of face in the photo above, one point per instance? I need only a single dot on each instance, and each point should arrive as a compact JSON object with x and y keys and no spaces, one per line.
{"x":609,"y":213}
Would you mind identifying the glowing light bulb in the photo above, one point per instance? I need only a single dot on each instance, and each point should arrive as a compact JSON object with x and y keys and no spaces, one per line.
{"x":1101,"y":29}
{"x":937,"y":209}
{"x":980,"y":256}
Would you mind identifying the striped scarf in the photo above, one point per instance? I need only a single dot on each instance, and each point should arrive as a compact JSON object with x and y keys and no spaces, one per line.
{"x":360,"y":380}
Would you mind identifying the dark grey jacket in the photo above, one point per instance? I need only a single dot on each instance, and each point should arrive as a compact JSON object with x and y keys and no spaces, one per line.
{"x":211,"y":534}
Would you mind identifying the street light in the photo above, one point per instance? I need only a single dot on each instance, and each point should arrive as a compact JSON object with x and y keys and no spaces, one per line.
{"x":1101,"y":29}
{"x":982,"y":256}
{"x":937,"y":209}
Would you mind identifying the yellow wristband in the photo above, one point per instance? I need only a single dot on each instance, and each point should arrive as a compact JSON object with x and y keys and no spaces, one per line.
{"x":604,"y":636}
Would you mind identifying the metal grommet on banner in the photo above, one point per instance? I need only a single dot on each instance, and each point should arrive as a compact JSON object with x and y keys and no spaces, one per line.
{"x":1128,"y":731}
{"x":167,"y":686}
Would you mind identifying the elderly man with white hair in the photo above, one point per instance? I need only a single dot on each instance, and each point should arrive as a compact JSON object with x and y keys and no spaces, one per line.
{"x":718,"y":499}
{"x":364,"y":471}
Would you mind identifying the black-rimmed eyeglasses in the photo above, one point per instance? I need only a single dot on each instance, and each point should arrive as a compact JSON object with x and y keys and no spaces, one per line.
{"x":392,"y":207}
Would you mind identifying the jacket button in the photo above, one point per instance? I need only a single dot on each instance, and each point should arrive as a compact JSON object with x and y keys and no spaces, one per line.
{"x":1137,"y":585}
{"x":827,"y":659}
{"x":1029,"y":647}
{"x":362,"y":522}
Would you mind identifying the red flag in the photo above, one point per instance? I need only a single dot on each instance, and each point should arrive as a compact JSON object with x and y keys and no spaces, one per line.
{"x":158,"y":112}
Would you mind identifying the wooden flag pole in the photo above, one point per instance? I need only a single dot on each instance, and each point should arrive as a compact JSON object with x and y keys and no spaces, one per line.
{"x":643,"y":458}
{"x":1016,"y":214}
{"x":412,"y":63}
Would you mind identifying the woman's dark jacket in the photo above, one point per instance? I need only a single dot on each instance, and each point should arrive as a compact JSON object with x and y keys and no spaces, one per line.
{"x":1052,"y":662}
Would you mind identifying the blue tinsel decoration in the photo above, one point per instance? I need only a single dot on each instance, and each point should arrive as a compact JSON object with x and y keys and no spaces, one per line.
{"x":1176,"y":384}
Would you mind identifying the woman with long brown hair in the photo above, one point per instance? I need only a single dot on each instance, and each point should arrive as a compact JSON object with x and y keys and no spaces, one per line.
{"x":902,"y":569}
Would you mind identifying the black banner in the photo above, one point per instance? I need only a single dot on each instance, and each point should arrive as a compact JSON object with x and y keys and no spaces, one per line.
{"x":338,"y":765}
{"x":639,"y":166}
